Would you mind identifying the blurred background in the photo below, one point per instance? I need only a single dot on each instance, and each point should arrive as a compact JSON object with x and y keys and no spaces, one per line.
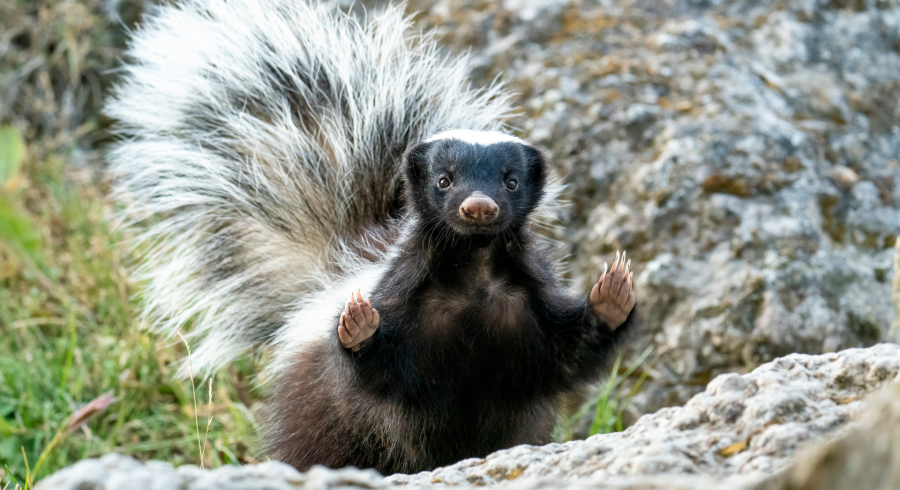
{"x":746,"y":153}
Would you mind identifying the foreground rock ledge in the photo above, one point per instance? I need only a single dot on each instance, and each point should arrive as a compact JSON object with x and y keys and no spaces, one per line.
{"x":741,"y":433}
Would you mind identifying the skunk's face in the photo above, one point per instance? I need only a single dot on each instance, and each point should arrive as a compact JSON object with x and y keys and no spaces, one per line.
{"x":475,"y":182}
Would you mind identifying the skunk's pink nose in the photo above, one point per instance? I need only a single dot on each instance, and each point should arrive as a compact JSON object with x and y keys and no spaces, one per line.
{"x":479,"y":209}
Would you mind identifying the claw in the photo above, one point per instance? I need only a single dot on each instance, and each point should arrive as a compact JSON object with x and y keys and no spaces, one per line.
{"x":359,"y":295}
{"x":627,"y":266}
{"x":616,"y":263}
{"x":622,"y":265}
{"x":631,"y":278}
{"x":604,"y":271}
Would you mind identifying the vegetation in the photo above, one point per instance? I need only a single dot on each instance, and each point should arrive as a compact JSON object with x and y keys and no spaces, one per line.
{"x":609,"y":403}
{"x":67,"y":336}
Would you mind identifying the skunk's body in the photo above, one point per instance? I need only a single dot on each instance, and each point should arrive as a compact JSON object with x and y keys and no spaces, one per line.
{"x":270,"y":137}
{"x":477,"y":339}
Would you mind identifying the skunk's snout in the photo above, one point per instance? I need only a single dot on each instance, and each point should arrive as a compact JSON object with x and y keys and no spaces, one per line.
{"x":479,"y":209}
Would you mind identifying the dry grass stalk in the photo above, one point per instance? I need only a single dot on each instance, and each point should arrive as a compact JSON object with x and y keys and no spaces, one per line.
{"x":80,"y":417}
{"x":209,"y":406}
{"x":194,"y":395}
{"x":201,"y":446}
{"x":88,"y":412}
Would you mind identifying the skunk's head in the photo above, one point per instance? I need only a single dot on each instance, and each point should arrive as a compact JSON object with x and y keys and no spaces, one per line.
{"x":475,"y":182}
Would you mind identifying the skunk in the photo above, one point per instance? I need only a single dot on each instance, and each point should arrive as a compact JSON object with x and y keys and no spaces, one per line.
{"x":282,"y":158}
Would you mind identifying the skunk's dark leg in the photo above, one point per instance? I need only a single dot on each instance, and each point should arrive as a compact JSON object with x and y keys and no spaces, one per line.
{"x":612,"y":298}
{"x":358,"y":322}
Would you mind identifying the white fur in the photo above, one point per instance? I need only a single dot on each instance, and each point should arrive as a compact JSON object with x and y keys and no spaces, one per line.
{"x":484,"y":138}
{"x":257,"y":138}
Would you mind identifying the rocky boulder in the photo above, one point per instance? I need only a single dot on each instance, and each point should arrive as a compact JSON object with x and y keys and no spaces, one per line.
{"x":740,"y":432}
{"x":739,"y":425}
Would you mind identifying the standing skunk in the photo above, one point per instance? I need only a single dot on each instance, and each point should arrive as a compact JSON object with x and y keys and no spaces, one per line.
{"x":293,"y":157}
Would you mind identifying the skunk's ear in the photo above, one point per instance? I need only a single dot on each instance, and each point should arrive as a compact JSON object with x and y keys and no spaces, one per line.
{"x":537,"y":174}
{"x":415,"y":165}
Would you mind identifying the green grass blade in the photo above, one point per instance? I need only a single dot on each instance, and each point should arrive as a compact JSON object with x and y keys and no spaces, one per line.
{"x":27,"y":469}
{"x":11,"y":476}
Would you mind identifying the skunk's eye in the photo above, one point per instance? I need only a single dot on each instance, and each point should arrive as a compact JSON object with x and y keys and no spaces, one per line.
{"x":512,"y":184}
{"x":444,"y":182}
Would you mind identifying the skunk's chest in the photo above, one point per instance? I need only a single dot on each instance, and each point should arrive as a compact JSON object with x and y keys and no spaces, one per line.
{"x":496,"y":309}
{"x":476,"y":301}
{"x":477,"y":341}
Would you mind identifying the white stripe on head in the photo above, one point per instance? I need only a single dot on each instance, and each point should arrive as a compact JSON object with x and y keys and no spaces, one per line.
{"x":475,"y":137}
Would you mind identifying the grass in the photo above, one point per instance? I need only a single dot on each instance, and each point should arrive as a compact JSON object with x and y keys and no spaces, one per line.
{"x":67,"y":336}
{"x":609,"y":403}
{"x":67,"y":318}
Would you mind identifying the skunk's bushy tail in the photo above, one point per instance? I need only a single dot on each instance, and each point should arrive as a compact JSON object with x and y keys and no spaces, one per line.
{"x":259,"y":139}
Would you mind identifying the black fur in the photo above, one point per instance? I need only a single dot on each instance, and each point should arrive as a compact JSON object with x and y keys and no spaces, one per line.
{"x":478,"y":342}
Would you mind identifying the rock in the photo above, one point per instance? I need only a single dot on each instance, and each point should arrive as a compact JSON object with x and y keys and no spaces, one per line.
{"x":115,"y":471}
{"x":744,"y":152}
{"x":741,"y":425}
{"x":738,"y":434}
{"x":867,"y":457}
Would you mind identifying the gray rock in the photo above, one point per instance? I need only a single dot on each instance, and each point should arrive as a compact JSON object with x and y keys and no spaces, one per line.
{"x":741,"y":425}
{"x":867,"y":457}
{"x":737,"y":434}
{"x":115,"y":471}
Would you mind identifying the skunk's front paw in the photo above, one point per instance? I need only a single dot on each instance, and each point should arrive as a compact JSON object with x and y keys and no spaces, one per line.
{"x":612,"y":297}
{"x":358,"y":322}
